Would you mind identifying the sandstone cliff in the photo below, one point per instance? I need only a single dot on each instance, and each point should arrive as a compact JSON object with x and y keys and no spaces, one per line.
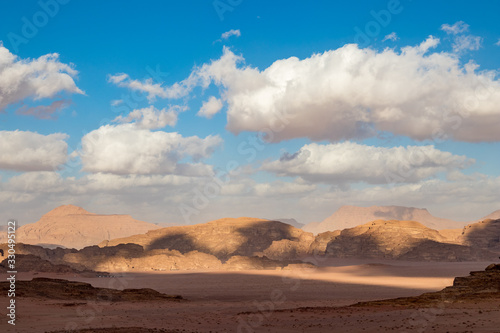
{"x":227,"y":237}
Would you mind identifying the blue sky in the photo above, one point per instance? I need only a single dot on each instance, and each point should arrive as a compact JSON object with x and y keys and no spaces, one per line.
{"x":366,"y":86}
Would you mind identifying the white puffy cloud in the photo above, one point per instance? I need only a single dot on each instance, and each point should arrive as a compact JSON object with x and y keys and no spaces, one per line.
{"x":392,"y":37}
{"x":457,"y":28}
{"x":351,"y":162}
{"x":39,"y":78}
{"x":210,"y":107}
{"x":151,"y":117}
{"x":498,"y":42}
{"x":355,"y":93}
{"x":230,"y":33}
{"x":127,"y":149}
{"x":30,"y":151}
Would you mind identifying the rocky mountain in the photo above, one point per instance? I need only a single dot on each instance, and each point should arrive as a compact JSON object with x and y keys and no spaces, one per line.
{"x":227,"y":237}
{"x":351,"y":216}
{"x":404,"y":240}
{"x":380,"y":239}
{"x":484,"y":234}
{"x":73,"y":227}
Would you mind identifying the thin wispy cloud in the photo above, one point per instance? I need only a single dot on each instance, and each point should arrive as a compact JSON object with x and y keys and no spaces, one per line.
{"x":467,"y":43}
{"x":230,"y":33}
{"x":44,"y":111}
{"x":457,"y":28}
{"x":392,"y":37}
{"x":462,"y":41}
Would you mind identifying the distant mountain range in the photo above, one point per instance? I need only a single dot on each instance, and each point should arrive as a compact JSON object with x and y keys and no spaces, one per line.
{"x":351,"y":216}
{"x":126,"y":244}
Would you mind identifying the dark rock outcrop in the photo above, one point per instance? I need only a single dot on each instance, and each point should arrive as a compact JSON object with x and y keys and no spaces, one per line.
{"x":72,"y":290}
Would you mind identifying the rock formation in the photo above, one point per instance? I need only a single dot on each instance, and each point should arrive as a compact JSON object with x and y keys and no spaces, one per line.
{"x":351,"y":216}
{"x":478,"y":286}
{"x":484,"y":235}
{"x":73,"y":227}
{"x":72,"y":290}
{"x":32,"y":263}
{"x":407,"y":240}
{"x":227,"y":237}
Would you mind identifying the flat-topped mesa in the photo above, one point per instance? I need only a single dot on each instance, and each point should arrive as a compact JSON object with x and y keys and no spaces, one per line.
{"x":73,"y":227}
{"x":351,"y":216}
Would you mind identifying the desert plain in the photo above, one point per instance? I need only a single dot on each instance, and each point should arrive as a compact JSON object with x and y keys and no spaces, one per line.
{"x":306,"y":300}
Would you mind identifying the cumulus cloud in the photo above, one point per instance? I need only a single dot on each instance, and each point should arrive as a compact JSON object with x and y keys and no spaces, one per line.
{"x":357,"y":93}
{"x":498,"y":42}
{"x":39,"y":78}
{"x":210,"y":107}
{"x":44,"y":111}
{"x":30,"y":151}
{"x":127,"y":149}
{"x":392,"y":37}
{"x":230,"y":33}
{"x":151,"y":117}
{"x":351,"y":162}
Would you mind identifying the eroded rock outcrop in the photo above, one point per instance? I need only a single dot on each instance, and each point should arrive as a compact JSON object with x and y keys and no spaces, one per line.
{"x":227,"y":237}
{"x":484,"y":235}
{"x":478,"y":286}
{"x":32,"y":263}
{"x":72,"y":290}
{"x":380,"y":239}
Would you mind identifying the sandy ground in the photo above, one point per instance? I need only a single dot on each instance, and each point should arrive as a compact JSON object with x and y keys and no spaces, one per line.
{"x":268,"y":301}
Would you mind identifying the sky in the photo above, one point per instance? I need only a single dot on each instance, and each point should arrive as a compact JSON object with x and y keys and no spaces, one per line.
{"x":187,"y":111}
